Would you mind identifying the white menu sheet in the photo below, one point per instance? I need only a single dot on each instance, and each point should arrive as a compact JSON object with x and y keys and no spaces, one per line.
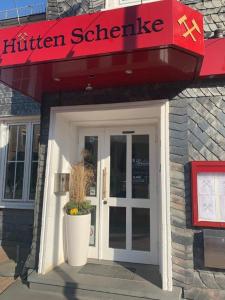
{"x":221,"y":192}
{"x":211,"y":196}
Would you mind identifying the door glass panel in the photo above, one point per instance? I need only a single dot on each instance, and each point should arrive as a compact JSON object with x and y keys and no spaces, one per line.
{"x":117,"y":227}
{"x":118,"y":154}
{"x":141,"y":229}
{"x":93,"y":227}
{"x":140,"y":166}
{"x":33,"y":180}
{"x":91,"y":159}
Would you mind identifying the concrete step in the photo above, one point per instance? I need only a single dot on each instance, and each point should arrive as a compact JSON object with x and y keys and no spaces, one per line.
{"x":68,"y":281}
{"x":85,"y":294}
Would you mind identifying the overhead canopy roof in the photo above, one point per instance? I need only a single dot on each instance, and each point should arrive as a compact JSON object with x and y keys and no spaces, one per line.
{"x":155,"y":42}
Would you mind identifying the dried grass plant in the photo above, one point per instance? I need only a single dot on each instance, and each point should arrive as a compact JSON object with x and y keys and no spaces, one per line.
{"x":81,"y":178}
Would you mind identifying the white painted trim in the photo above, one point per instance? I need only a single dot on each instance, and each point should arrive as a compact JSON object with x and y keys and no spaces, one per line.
{"x":3,"y":138}
{"x":165,"y":201}
{"x":111,"y":106}
{"x":21,"y":119}
{"x":46,"y":192}
{"x":19,"y":205}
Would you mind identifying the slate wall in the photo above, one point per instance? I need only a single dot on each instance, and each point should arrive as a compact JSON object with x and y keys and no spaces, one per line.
{"x":13,"y":103}
{"x":197,"y":132}
{"x":61,"y":8}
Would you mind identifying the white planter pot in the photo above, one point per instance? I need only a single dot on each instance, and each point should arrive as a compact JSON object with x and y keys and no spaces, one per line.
{"x":77,"y":237}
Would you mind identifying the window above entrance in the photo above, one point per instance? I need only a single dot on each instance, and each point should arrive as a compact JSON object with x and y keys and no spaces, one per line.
{"x":110,"y":4}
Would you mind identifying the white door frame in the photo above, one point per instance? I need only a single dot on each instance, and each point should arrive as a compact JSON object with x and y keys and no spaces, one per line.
{"x":151,"y":112}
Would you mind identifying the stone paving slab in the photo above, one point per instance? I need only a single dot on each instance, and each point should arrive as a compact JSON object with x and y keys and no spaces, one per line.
{"x":7,"y":271}
{"x":19,"y":291}
{"x":5,"y":282}
{"x":3,"y":255}
{"x":8,"y":268}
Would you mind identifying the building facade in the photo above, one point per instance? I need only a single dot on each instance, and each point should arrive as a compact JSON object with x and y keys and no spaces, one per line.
{"x":128,"y":128}
{"x":19,"y":120}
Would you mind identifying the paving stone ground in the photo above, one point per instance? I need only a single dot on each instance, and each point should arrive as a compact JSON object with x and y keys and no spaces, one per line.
{"x":3,"y":255}
{"x":5,"y":280}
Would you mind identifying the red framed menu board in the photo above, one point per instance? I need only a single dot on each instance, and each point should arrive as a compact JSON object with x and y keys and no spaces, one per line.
{"x":208,"y":193}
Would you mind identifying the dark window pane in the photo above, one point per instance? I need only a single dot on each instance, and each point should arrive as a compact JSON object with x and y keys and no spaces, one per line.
{"x":12,"y":145}
{"x":15,"y":170}
{"x":9,"y":180}
{"x":93,"y":227}
{"x":34,"y":161}
{"x":117,"y":227}
{"x":36,"y":139}
{"x":118,"y":154}
{"x":19,"y":180}
{"x":140,"y":166}
{"x":141,"y":229}
{"x":33,"y":180}
{"x":21,"y":142}
{"x":91,"y":159}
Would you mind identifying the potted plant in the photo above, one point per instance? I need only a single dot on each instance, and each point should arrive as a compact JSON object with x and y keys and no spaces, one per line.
{"x":78,"y":214}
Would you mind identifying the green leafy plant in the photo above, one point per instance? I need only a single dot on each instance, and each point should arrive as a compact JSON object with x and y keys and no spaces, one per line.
{"x":81,"y":178}
{"x":83,"y":208}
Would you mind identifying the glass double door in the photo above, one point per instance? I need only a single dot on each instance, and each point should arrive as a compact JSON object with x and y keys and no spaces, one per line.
{"x":124,"y":225}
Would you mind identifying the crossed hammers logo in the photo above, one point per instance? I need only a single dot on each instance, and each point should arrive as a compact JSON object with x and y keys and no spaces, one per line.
{"x":22,"y":36}
{"x":183,"y":20}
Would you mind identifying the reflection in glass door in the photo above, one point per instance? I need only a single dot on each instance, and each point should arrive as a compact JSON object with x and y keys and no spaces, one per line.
{"x":90,"y":145}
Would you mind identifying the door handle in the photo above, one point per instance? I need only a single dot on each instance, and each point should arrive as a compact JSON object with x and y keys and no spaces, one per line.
{"x":104,"y":184}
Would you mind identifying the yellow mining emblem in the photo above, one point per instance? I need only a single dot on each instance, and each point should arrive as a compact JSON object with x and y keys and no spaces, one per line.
{"x":195,"y":27}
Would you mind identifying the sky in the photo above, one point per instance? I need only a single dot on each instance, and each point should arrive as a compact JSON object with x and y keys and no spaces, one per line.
{"x":6,"y":4}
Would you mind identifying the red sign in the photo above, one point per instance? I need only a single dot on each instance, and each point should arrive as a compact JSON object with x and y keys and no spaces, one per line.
{"x":121,"y":30}
{"x":214,"y":60}
{"x":155,"y":42}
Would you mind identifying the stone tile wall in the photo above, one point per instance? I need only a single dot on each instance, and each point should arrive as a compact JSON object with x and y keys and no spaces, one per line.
{"x":197,"y":131}
{"x":13,"y":103}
